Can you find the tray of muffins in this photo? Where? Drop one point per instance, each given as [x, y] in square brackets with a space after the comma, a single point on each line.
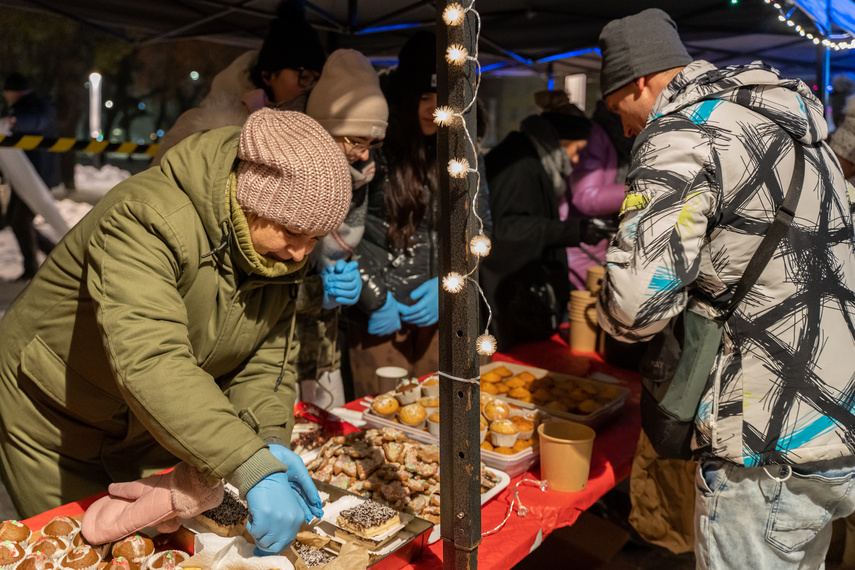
[582, 400]
[59, 545]
[508, 431]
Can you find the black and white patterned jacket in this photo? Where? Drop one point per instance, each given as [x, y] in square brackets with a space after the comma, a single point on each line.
[707, 174]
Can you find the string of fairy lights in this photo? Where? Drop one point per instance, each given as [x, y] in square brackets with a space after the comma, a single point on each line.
[453, 282]
[815, 36]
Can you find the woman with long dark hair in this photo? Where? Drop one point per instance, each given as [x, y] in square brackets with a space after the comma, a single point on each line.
[398, 254]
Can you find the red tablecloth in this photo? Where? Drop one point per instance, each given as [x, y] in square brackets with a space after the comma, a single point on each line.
[611, 460]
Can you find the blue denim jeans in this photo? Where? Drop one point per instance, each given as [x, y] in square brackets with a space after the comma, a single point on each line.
[774, 518]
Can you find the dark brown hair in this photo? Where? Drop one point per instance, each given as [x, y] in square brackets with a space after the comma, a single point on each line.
[411, 160]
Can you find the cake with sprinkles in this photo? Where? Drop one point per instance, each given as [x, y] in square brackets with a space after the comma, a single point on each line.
[312, 556]
[368, 519]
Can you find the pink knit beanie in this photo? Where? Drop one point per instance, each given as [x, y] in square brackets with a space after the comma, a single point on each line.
[291, 171]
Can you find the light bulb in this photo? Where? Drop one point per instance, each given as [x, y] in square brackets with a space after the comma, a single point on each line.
[458, 168]
[453, 14]
[485, 344]
[815, 41]
[453, 282]
[442, 116]
[480, 245]
[456, 54]
[781, 17]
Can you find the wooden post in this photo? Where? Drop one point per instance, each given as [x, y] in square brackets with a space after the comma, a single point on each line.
[460, 451]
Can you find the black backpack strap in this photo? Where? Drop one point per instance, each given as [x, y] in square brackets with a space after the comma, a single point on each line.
[783, 218]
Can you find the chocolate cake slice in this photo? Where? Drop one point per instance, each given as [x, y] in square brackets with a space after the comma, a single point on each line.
[227, 519]
[368, 519]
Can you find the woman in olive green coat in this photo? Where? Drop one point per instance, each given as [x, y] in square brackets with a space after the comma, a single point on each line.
[160, 328]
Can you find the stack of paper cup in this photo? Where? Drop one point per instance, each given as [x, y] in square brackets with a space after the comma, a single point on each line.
[596, 274]
[583, 321]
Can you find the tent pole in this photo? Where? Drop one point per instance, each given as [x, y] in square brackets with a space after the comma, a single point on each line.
[459, 407]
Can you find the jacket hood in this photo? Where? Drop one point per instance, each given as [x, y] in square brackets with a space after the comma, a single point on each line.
[788, 103]
[200, 166]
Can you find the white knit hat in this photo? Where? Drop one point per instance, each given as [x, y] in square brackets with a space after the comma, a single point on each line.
[842, 140]
[347, 101]
[291, 171]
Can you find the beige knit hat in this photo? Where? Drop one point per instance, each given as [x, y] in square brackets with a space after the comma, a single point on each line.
[347, 100]
[291, 171]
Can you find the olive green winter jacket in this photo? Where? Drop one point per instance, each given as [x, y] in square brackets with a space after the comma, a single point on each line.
[151, 306]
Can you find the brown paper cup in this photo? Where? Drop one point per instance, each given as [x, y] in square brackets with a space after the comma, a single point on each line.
[594, 280]
[565, 454]
[389, 376]
[583, 327]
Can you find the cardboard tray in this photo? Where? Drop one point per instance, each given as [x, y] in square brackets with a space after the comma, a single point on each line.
[408, 552]
[593, 420]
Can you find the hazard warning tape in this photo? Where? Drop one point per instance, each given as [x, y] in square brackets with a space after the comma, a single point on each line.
[31, 142]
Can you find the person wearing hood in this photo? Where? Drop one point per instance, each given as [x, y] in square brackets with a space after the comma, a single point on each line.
[161, 329]
[348, 103]
[715, 153]
[525, 277]
[279, 75]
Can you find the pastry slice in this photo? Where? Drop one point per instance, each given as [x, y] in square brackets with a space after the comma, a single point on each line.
[368, 519]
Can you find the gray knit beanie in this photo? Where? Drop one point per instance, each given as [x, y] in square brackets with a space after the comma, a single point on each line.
[347, 101]
[291, 171]
[634, 46]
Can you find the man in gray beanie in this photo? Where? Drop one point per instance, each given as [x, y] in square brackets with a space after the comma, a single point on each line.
[160, 329]
[716, 152]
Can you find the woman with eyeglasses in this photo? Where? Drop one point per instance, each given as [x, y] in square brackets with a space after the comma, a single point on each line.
[349, 104]
[280, 76]
[398, 255]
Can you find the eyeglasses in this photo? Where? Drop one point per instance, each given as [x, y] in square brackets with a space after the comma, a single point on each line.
[360, 146]
[307, 78]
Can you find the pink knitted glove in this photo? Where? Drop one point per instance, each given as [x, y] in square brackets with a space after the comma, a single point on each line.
[154, 500]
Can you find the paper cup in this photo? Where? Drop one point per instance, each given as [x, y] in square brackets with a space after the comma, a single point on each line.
[565, 454]
[389, 376]
[594, 279]
[583, 321]
[430, 387]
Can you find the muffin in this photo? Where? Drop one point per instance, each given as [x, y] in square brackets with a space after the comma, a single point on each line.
[62, 527]
[429, 402]
[502, 388]
[483, 427]
[408, 393]
[80, 558]
[525, 426]
[121, 563]
[168, 560]
[486, 445]
[515, 382]
[413, 415]
[433, 423]
[135, 548]
[490, 378]
[52, 546]
[37, 560]
[489, 388]
[385, 405]
[496, 410]
[504, 433]
[504, 450]
[522, 444]
[15, 531]
[502, 371]
[10, 554]
[520, 394]
[430, 387]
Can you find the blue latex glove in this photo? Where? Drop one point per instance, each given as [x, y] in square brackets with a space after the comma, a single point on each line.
[342, 284]
[299, 478]
[385, 320]
[425, 311]
[276, 512]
